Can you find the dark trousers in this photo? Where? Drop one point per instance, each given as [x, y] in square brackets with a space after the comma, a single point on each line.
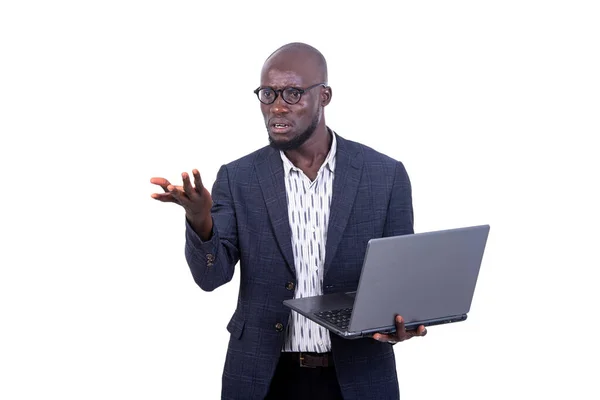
[291, 381]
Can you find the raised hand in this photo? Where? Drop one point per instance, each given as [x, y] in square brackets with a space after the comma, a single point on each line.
[195, 200]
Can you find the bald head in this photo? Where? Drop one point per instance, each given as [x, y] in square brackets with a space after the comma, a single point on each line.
[300, 58]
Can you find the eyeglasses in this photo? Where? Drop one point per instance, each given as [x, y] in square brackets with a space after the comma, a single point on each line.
[290, 95]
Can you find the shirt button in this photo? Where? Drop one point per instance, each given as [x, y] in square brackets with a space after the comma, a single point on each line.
[279, 327]
[289, 286]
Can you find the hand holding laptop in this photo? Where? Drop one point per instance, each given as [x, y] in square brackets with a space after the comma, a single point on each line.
[401, 333]
[429, 278]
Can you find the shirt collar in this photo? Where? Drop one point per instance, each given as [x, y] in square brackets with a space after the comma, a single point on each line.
[328, 163]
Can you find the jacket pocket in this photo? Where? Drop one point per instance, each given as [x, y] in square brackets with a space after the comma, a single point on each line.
[236, 325]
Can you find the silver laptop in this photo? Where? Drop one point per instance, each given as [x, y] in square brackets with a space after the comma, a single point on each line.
[428, 278]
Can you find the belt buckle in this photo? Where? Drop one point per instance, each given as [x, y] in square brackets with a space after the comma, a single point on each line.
[303, 364]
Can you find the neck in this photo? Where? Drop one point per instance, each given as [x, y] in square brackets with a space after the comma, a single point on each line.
[313, 152]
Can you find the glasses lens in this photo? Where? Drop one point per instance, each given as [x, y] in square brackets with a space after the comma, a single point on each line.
[266, 95]
[292, 95]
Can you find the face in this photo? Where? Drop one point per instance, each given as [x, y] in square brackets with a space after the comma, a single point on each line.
[291, 125]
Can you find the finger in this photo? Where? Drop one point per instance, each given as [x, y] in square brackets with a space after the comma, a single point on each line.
[400, 328]
[164, 197]
[198, 181]
[178, 194]
[420, 331]
[380, 337]
[162, 182]
[187, 185]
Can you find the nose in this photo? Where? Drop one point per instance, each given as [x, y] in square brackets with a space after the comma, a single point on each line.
[279, 106]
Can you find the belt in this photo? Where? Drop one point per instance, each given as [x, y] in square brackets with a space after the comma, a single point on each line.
[309, 360]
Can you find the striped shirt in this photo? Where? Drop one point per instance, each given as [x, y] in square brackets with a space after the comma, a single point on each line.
[308, 211]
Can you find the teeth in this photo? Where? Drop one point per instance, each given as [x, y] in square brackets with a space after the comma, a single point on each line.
[280, 125]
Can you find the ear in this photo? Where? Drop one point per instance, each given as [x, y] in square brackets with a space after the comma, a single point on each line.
[326, 94]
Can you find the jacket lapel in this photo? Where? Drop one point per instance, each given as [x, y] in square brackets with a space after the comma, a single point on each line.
[271, 179]
[348, 168]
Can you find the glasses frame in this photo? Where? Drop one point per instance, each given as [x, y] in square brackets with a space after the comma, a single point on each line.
[280, 91]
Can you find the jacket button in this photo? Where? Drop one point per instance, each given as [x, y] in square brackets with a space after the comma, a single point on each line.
[279, 327]
[289, 286]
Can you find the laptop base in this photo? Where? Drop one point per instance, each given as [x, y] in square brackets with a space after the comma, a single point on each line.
[310, 308]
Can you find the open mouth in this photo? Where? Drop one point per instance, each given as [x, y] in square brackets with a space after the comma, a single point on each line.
[280, 127]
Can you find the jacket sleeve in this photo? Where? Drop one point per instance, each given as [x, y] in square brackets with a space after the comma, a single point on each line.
[399, 218]
[212, 262]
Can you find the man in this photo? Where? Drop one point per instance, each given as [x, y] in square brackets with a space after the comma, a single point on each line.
[297, 215]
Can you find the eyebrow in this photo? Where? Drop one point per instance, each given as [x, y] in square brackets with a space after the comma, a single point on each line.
[281, 87]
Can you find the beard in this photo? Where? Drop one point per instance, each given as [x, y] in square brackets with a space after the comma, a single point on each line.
[297, 140]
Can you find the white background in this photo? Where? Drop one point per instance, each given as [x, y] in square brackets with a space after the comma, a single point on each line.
[492, 106]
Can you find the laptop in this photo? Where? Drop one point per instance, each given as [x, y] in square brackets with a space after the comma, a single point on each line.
[429, 278]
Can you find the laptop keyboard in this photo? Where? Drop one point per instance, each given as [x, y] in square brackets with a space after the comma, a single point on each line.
[339, 318]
